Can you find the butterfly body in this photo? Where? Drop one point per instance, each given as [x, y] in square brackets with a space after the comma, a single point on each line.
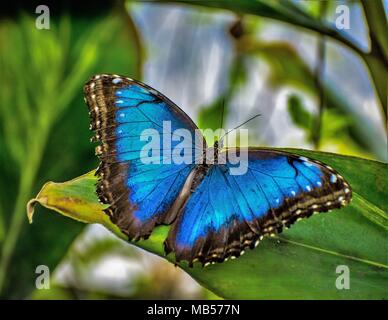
[214, 214]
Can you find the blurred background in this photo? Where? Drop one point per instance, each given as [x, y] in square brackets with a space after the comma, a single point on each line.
[315, 70]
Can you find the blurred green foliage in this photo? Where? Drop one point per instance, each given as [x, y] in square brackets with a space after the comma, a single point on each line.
[292, 12]
[44, 123]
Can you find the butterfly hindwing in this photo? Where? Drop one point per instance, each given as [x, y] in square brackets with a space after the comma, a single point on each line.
[140, 194]
[228, 213]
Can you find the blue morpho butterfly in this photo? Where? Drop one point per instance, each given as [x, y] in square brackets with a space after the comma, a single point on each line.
[214, 214]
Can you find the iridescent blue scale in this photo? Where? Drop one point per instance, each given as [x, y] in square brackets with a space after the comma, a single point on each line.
[214, 214]
[267, 184]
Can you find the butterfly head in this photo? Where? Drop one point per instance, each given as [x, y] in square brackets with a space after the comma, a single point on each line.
[210, 154]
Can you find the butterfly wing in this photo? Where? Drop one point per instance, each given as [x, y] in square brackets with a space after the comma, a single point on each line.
[140, 193]
[228, 213]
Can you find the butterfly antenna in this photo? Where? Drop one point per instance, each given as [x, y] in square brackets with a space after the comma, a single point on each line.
[240, 125]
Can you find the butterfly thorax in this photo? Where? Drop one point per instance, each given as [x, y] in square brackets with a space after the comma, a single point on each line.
[210, 155]
[209, 158]
[215, 151]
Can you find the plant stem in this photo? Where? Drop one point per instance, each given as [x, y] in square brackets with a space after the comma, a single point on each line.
[377, 59]
[2, 230]
[18, 216]
[318, 78]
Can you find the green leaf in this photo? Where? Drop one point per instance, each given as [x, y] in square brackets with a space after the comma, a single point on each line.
[334, 124]
[299, 115]
[47, 102]
[210, 116]
[301, 262]
[75, 199]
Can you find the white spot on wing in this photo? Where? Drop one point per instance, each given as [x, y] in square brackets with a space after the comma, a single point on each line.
[308, 164]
